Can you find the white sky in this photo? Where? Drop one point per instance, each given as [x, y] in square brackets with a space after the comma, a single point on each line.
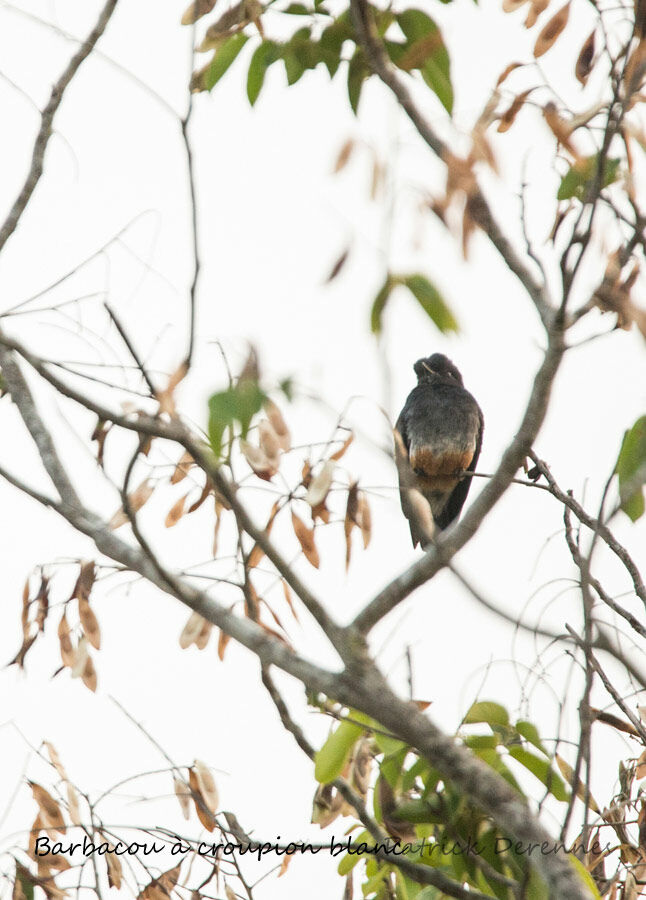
[272, 221]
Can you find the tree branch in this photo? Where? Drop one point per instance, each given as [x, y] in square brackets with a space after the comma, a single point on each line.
[46, 122]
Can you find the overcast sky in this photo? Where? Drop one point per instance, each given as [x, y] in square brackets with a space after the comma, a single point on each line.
[273, 219]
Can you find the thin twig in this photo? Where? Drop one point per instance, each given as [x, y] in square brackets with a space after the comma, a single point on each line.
[46, 122]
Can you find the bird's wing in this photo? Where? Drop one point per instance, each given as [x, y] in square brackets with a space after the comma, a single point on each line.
[414, 505]
[459, 494]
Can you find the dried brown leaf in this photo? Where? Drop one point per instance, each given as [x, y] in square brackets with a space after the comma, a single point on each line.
[288, 598]
[161, 888]
[585, 60]
[607, 718]
[50, 812]
[176, 512]
[196, 10]
[508, 118]
[320, 484]
[365, 519]
[99, 435]
[89, 624]
[507, 71]
[263, 466]
[80, 658]
[278, 424]
[203, 813]
[268, 440]
[305, 537]
[552, 31]
[535, 9]
[183, 794]
[55, 759]
[191, 630]
[320, 511]
[337, 266]
[184, 463]
[509, 6]
[326, 806]
[115, 872]
[136, 500]
[42, 599]
[579, 788]
[206, 490]
[68, 653]
[635, 69]
[344, 155]
[223, 640]
[88, 676]
[231, 22]
[73, 804]
[257, 552]
[336, 456]
[24, 618]
[377, 179]
[203, 637]
[560, 128]
[166, 397]
[283, 866]
[84, 582]
[206, 783]
[19, 658]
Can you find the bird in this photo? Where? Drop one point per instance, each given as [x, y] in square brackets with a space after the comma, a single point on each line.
[438, 437]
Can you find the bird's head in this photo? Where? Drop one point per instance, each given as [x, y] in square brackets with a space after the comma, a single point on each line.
[436, 365]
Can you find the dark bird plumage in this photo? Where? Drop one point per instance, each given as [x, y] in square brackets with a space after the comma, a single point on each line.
[438, 437]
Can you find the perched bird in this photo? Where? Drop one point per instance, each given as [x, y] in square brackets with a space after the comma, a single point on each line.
[438, 437]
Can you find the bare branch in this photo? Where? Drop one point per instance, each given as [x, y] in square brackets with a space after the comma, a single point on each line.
[22, 397]
[47, 118]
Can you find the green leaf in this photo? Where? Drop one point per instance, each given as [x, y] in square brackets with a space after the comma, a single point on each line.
[585, 876]
[487, 711]
[482, 741]
[419, 767]
[26, 881]
[631, 470]
[431, 301]
[297, 9]
[388, 744]
[379, 304]
[542, 769]
[349, 861]
[334, 753]
[580, 177]
[357, 74]
[391, 766]
[264, 55]
[420, 811]
[224, 57]
[530, 732]
[222, 408]
[426, 51]
[294, 67]
[429, 892]
[416, 24]
[536, 888]
[238, 403]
